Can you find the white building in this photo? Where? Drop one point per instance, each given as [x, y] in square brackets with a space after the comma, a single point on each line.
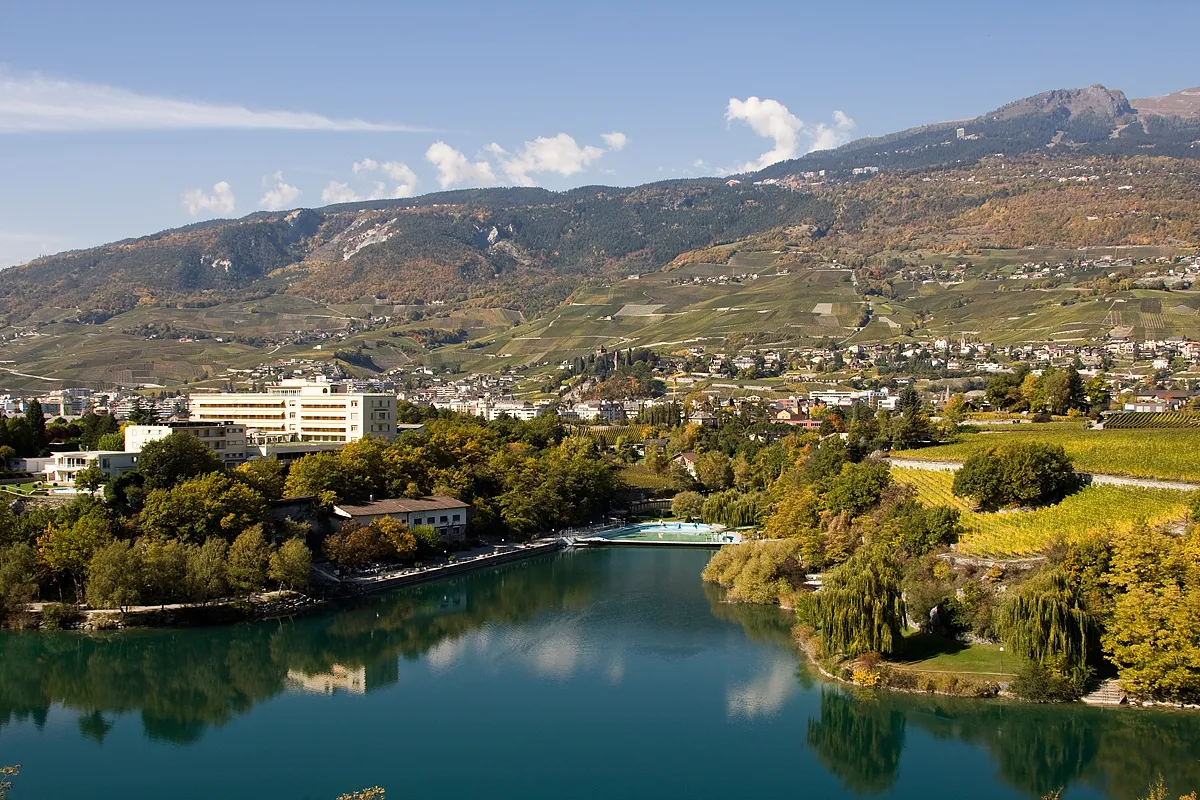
[226, 439]
[446, 515]
[65, 466]
[303, 411]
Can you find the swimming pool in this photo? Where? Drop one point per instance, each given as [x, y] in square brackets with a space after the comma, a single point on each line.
[673, 532]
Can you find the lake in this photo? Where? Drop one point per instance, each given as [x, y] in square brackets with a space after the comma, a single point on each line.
[600, 673]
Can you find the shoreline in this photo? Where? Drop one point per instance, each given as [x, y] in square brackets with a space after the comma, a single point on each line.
[285, 603]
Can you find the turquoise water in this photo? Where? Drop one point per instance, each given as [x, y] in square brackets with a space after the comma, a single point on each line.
[598, 673]
[670, 532]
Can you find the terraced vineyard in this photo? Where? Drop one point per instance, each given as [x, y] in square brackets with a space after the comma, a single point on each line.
[1169, 454]
[1015, 534]
[1142, 420]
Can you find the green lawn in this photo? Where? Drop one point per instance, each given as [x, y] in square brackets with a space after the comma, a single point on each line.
[927, 653]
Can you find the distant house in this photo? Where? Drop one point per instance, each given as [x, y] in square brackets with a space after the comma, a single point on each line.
[446, 515]
[65, 466]
[687, 461]
[705, 418]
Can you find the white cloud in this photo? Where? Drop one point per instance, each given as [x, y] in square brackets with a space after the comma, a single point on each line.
[615, 141]
[220, 202]
[278, 194]
[38, 103]
[406, 182]
[338, 192]
[771, 119]
[453, 167]
[559, 154]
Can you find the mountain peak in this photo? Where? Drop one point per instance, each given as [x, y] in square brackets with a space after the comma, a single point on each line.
[1096, 99]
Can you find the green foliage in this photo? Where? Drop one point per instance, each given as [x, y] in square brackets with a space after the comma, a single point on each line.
[1017, 474]
[17, 584]
[1038, 683]
[111, 441]
[177, 457]
[714, 470]
[291, 565]
[860, 608]
[263, 475]
[857, 487]
[206, 574]
[249, 557]
[757, 572]
[734, 509]
[58, 616]
[687, 505]
[66, 548]
[1043, 620]
[197, 508]
[115, 576]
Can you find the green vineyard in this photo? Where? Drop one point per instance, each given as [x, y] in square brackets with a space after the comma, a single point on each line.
[1170, 454]
[1016, 534]
[1134, 420]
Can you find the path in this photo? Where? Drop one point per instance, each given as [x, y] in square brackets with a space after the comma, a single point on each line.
[1097, 479]
[27, 375]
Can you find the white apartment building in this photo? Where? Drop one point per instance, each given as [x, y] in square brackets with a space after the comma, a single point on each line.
[64, 467]
[305, 411]
[226, 439]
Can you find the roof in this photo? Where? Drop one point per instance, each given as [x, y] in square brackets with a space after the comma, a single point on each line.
[402, 505]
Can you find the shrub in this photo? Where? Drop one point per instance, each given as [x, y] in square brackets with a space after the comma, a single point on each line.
[57, 616]
[1019, 474]
[1041, 684]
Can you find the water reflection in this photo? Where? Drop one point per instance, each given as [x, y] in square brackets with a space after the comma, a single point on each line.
[1037, 750]
[181, 682]
[626, 629]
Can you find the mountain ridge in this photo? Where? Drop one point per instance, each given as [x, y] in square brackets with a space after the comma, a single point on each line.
[529, 248]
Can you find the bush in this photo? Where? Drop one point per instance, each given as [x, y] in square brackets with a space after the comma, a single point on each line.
[57, 616]
[1040, 684]
[1021, 474]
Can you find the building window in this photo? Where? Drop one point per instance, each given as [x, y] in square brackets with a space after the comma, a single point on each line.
[456, 517]
[444, 520]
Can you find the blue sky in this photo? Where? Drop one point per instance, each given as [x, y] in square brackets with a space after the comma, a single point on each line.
[119, 119]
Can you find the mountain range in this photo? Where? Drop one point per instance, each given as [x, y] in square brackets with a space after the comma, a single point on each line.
[530, 249]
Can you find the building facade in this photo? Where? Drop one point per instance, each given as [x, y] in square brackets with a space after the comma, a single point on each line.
[446, 515]
[226, 439]
[63, 468]
[302, 411]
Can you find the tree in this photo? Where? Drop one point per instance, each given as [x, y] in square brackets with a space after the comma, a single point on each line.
[956, 409]
[90, 478]
[206, 575]
[164, 566]
[195, 509]
[1099, 395]
[174, 458]
[857, 487]
[17, 583]
[291, 565]
[68, 549]
[687, 505]
[142, 414]
[314, 474]
[249, 556]
[1026, 473]
[115, 576]
[396, 534]
[263, 475]
[714, 470]
[36, 420]
[654, 459]
[111, 441]
[1154, 634]
[860, 608]
[1044, 621]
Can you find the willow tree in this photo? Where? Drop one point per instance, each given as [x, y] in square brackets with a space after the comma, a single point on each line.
[860, 607]
[1045, 621]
